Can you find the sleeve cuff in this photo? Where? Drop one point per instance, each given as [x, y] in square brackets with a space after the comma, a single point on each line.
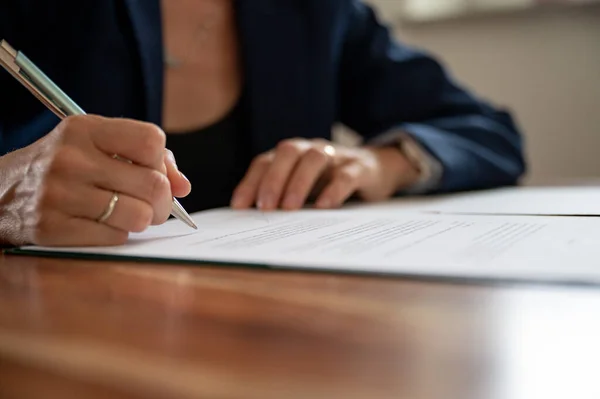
[430, 168]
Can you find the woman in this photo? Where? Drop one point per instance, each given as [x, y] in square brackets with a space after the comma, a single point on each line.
[247, 92]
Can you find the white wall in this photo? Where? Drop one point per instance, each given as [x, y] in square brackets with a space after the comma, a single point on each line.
[543, 64]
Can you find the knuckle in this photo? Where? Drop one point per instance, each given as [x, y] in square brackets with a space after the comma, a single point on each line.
[73, 124]
[72, 128]
[156, 185]
[262, 160]
[158, 135]
[289, 147]
[317, 155]
[64, 161]
[153, 142]
[142, 218]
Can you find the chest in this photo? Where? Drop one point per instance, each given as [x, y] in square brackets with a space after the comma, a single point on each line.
[202, 78]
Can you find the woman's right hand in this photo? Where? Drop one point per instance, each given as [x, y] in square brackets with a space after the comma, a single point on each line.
[53, 192]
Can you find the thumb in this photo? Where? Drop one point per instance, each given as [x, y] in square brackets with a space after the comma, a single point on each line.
[180, 185]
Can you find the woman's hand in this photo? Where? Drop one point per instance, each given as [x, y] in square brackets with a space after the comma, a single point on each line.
[297, 169]
[54, 191]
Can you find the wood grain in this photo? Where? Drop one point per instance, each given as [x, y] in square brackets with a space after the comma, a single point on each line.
[86, 329]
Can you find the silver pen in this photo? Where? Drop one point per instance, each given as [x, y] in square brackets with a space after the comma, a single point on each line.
[30, 76]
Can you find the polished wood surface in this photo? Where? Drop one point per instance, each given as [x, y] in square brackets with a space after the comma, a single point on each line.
[81, 329]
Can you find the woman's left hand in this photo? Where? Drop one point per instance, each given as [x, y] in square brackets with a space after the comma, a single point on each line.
[298, 169]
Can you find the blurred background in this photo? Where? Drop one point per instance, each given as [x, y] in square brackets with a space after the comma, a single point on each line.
[540, 58]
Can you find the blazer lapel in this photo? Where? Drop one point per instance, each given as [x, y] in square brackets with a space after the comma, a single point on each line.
[146, 21]
[273, 46]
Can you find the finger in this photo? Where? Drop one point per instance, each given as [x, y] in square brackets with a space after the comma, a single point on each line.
[345, 181]
[136, 181]
[58, 230]
[140, 142]
[180, 185]
[305, 176]
[244, 196]
[271, 187]
[130, 214]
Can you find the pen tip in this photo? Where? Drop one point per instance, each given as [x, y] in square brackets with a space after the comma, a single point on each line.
[190, 222]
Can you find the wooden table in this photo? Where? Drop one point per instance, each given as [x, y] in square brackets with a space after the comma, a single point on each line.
[80, 329]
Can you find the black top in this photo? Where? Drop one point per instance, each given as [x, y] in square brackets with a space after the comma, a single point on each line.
[214, 159]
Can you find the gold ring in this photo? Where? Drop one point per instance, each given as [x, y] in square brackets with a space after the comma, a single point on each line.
[119, 158]
[109, 209]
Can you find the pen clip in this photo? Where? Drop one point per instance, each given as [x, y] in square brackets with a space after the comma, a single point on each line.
[8, 59]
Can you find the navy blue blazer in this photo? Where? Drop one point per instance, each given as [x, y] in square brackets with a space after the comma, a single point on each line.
[308, 64]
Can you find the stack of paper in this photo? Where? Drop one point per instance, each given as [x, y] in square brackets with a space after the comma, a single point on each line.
[393, 239]
[559, 201]
[551, 201]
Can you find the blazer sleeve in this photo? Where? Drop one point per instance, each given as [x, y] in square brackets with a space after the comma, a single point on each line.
[387, 86]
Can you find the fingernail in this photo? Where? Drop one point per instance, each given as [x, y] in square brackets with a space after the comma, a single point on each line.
[171, 158]
[184, 176]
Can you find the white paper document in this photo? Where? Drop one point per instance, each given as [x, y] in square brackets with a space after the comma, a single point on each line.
[366, 241]
[582, 201]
